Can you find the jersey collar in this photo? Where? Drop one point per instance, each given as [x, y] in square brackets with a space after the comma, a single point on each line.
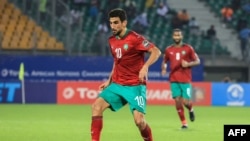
[181, 45]
[126, 33]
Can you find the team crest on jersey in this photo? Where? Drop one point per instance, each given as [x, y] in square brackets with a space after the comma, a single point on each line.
[183, 52]
[125, 46]
[145, 43]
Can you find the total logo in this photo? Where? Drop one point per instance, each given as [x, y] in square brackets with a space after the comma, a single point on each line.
[235, 94]
[4, 72]
[83, 93]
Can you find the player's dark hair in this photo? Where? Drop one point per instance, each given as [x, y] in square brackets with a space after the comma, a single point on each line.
[177, 30]
[118, 12]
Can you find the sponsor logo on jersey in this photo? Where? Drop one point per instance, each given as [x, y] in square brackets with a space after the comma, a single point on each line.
[183, 52]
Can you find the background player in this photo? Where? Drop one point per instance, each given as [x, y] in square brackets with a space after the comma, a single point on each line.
[181, 57]
[127, 82]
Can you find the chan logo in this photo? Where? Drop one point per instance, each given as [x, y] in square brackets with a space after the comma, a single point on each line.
[235, 94]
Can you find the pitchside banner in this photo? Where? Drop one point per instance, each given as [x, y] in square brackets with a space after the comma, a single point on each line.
[231, 94]
[35, 92]
[158, 93]
[54, 68]
[85, 92]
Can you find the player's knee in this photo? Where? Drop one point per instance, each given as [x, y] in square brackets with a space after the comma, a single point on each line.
[178, 99]
[140, 123]
[187, 102]
[139, 120]
[96, 107]
[99, 106]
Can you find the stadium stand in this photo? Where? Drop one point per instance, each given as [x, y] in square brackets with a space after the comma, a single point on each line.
[240, 17]
[239, 14]
[19, 32]
[81, 36]
[160, 33]
[83, 41]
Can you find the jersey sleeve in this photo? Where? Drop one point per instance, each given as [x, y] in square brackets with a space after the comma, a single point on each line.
[193, 54]
[110, 48]
[166, 56]
[141, 43]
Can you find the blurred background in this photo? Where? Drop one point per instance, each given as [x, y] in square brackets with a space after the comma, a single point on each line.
[56, 52]
[218, 30]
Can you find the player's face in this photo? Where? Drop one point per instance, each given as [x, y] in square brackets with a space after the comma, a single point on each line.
[177, 37]
[117, 25]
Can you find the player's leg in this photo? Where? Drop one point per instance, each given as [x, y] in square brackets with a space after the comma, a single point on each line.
[176, 94]
[187, 95]
[188, 104]
[97, 121]
[137, 103]
[181, 112]
[106, 99]
[142, 125]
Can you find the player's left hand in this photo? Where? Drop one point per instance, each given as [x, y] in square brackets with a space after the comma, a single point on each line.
[143, 74]
[184, 64]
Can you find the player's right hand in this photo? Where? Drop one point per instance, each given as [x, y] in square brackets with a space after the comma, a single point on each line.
[184, 64]
[163, 72]
[104, 85]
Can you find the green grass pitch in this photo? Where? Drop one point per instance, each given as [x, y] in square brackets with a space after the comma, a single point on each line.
[48, 122]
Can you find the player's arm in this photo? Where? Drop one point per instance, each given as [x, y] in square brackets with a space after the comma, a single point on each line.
[164, 66]
[111, 73]
[153, 57]
[195, 62]
[107, 82]
[194, 57]
[186, 64]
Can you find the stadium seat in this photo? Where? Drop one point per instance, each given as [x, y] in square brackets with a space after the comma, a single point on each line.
[38, 30]
[5, 42]
[20, 28]
[16, 14]
[12, 23]
[8, 11]
[26, 34]
[16, 38]
[5, 19]
[23, 19]
[11, 28]
[30, 26]
[14, 44]
[3, 2]
[41, 45]
[26, 44]
[45, 34]
[20, 31]
[51, 43]
[2, 28]
[59, 46]
[8, 33]
[30, 22]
